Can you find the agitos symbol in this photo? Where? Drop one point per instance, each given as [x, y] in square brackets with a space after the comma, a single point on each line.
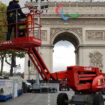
[61, 13]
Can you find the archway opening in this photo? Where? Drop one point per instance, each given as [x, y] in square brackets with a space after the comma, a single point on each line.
[65, 45]
[63, 55]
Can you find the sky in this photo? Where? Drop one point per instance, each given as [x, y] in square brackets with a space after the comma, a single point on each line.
[63, 55]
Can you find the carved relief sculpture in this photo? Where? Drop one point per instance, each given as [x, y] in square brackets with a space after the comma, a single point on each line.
[97, 35]
[54, 31]
[96, 59]
[43, 35]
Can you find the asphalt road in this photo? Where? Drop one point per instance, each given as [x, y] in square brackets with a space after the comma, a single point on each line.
[33, 99]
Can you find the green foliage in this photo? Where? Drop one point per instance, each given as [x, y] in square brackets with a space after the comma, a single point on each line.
[2, 53]
[18, 53]
[2, 21]
[2, 6]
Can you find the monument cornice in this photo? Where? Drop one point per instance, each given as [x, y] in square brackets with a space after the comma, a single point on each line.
[79, 4]
[71, 4]
[80, 16]
[91, 45]
[84, 9]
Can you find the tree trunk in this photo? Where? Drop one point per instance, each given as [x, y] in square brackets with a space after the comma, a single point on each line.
[11, 70]
[12, 64]
[2, 64]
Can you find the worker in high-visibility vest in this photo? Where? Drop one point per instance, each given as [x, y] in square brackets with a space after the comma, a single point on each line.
[13, 13]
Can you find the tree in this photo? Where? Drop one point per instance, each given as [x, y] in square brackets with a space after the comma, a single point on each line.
[2, 34]
[10, 53]
[13, 54]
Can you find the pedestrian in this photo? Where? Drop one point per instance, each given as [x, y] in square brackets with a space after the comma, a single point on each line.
[14, 13]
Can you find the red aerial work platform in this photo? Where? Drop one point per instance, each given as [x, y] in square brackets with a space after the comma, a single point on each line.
[24, 43]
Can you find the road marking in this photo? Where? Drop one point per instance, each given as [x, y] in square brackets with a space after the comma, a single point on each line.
[48, 99]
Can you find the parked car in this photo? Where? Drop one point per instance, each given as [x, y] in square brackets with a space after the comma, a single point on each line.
[26, 86]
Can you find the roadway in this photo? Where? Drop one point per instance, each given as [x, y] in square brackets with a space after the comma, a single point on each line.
[33, 99]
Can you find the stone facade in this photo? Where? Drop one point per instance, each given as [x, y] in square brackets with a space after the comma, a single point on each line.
[96, 59]
[86, 33]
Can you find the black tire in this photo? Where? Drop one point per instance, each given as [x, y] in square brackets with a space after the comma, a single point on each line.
[98, 99]
[62, 99]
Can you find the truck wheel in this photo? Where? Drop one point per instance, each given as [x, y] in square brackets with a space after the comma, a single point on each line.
[62, 99]
[98, 99]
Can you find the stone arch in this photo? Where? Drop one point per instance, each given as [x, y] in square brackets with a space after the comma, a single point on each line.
[71, 37]
[66, 35]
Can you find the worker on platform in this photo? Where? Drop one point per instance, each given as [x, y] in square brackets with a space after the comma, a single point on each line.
[14, 13]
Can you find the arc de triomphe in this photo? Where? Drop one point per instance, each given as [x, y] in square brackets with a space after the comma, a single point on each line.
[86, 33]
